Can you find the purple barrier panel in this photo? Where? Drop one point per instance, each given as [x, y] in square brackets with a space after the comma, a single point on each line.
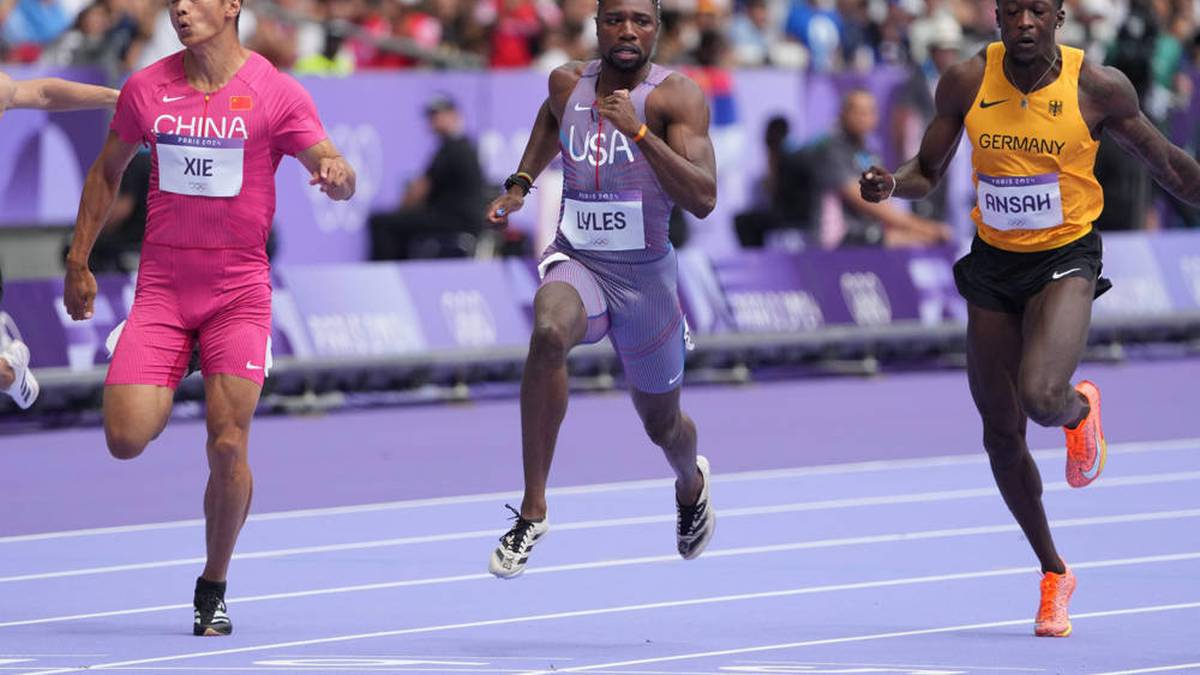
[931, 271]
[465, 303]
[1138, 285]
[704, 302]
[355, 309]
[769, 291]
[775, 291]
[45, 156]
[35, 314]
[1178, 255]
[862, 286]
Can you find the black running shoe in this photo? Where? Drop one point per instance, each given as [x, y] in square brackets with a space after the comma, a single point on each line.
[209, 602]
[509, 558]
[694, 524]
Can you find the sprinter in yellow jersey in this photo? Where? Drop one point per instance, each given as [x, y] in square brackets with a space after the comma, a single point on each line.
[1033, 111]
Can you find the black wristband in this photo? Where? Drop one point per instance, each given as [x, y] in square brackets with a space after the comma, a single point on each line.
[520, 181]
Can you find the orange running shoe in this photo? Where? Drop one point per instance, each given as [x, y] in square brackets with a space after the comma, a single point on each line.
[1052, 619]
[1086, 448]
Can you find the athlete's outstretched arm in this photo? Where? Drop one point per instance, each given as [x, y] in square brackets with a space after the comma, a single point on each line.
[99, 191]
[329, 170]
[684, 162]
[1173, 168]
[917, 177]
[53, 94]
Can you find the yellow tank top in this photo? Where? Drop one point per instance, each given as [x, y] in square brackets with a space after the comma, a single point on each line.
[1033, 165]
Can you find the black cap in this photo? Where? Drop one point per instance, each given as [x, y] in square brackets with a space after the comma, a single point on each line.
[439, 103]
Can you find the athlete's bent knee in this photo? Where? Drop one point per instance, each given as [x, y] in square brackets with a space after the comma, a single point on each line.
[549, 343]
[1043, 401]
[123, 444]
[227, 454]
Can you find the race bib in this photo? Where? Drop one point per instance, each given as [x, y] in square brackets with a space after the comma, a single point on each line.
[1020, 202]
[603, 221]
[202, 167]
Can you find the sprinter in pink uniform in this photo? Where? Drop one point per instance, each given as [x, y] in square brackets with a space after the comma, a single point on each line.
[218, 119]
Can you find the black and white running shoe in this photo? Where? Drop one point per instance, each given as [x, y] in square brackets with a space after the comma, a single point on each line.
[24, 389]
[209, 603]
[694, 524]
[509, 558]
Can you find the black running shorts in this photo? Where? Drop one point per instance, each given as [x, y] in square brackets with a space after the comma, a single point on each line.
[1003, 281]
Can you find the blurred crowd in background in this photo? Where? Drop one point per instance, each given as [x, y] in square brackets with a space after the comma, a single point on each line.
[343, 36]
[1155, 42]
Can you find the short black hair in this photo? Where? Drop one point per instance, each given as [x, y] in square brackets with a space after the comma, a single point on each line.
[657, 8]
[1057, 3]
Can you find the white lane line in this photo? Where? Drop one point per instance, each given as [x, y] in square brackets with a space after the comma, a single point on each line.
[1159, 669]
[864, 638]
[624, 562]
[293, 670]
[888, 665]
[622, 486]
[707, 600]
[774, 509]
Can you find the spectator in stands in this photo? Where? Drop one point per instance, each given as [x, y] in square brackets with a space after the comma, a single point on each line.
[842, 157]
[91, 41]
[440, 213]
[516, 28]
[818, 26]
[1128, 190]
[752, 34]
[913, 107]
[769, 204]
[32, 23]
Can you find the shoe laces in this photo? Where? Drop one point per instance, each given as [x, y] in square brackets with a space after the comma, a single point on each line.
[517, 537]
[688, 517]
[209, 601]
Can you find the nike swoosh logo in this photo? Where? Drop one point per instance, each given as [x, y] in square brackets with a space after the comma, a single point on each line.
[1058, 275]
[675, 379]
[580, 108]
[1090, 474]
[172, 99]
[987, 104]
[251, 366]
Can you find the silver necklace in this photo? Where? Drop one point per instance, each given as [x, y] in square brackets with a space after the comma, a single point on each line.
[1025, 94]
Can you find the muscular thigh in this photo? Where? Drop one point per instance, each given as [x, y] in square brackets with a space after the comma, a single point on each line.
[648, 328]
[571, 298]
[235, 340]
[154, 346]
[1055, 329]
[230, 402]
[994, 344]
[137, 412]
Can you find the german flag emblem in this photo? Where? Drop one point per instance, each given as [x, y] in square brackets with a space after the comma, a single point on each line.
[240, 103]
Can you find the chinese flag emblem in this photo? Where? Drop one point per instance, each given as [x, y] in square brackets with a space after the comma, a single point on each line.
[240, 103]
